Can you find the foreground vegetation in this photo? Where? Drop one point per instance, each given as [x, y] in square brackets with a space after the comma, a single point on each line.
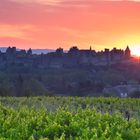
[60, 118]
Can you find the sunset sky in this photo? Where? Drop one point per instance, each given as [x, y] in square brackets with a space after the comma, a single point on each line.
[64, 23]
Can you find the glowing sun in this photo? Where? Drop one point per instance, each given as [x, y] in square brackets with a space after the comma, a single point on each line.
[135, 50]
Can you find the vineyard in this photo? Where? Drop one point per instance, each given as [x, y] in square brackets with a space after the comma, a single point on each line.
[69, 118]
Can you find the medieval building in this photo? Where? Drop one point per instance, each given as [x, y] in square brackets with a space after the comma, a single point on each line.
[73, 58]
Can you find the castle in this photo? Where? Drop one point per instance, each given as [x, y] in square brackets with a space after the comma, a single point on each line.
[60, 59]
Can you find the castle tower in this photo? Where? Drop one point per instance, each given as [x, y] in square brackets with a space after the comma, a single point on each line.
[127, 52]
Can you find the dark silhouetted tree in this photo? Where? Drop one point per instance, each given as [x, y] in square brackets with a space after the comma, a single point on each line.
[29, 52]
[19, 86]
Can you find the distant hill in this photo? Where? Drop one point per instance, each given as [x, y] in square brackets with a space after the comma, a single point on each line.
[35, 51]
[3, 49]
[39, 51]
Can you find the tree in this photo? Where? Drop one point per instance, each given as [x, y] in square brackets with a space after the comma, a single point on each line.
[29, 52]
[19, 85]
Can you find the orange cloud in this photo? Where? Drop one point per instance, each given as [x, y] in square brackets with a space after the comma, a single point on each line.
[7, 30]
[55, 23]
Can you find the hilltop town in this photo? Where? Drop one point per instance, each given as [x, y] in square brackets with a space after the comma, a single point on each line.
[59, 59]
[76, 72]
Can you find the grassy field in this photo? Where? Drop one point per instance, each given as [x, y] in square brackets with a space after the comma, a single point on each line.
[69, 118]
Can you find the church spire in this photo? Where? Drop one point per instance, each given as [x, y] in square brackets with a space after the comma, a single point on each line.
[127, 52]
[90, 48]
